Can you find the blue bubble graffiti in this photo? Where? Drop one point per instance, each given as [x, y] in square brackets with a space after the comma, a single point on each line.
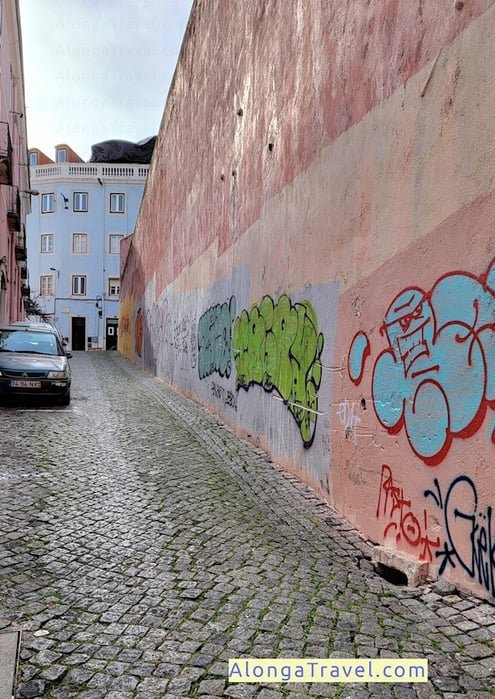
[359, 352]
[436, 378]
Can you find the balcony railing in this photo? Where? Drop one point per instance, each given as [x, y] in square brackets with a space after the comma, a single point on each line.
[14, 209]
[20, 247]
[85, 170]
[5, 154]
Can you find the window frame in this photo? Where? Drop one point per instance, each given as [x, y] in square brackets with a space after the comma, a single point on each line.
[47, 237]
[79, 280]
[112, 208]
[44, 198]
[59, 153]
[81, 210]
[116, 283]
[33, 159]
[79, 235]
[50, 284]
[112, 237]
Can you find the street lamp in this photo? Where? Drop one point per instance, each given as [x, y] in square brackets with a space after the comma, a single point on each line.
[99, 308]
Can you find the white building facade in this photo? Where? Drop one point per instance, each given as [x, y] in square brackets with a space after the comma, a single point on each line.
[81, 213]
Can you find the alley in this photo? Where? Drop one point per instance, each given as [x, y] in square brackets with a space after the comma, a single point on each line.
[148, 545]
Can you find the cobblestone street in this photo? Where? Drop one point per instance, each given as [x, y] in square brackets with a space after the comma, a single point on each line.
[142, 545]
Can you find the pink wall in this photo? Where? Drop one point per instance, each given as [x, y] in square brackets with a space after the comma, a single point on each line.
[299, 264]
[14, 179]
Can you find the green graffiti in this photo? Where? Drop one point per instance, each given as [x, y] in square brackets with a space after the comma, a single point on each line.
[277, 346]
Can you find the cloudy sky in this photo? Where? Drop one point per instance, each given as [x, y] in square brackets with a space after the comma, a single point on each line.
[98, 69]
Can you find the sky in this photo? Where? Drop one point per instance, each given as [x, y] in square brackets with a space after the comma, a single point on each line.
[97, 70]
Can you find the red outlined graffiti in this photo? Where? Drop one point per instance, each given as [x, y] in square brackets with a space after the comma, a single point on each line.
[436, 378]
[358, 354]
[401, 519]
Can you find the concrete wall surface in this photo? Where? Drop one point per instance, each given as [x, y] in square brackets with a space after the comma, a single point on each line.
[314, 257]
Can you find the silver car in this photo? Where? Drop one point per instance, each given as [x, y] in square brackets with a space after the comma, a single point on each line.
[33, 363]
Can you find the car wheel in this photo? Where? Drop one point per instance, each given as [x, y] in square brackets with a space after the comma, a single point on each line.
[65, 400]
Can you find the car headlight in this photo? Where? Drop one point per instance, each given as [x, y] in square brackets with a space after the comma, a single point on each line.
[57, 375]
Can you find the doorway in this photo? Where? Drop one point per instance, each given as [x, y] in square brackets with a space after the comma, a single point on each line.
[111, 334]
[78, 333]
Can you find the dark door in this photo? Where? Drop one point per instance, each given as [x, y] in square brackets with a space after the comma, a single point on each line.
[111, 339]
[78, 333]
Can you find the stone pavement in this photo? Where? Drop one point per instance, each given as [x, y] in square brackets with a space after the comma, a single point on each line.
[142, 545]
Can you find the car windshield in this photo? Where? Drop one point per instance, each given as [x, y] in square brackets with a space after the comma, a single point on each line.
[24, 341]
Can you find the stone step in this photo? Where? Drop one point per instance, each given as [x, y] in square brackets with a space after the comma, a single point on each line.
[9, 657]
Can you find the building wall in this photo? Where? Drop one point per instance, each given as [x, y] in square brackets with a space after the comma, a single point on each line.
[314, 255]
[14, 175]
[96, 308]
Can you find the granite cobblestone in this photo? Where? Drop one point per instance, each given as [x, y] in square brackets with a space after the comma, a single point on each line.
[150, 544]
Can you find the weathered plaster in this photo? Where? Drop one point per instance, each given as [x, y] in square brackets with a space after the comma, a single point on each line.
[320, 199]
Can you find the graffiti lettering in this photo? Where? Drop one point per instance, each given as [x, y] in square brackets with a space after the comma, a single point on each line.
[139, 332]
[181, 336]
[401, 519]
[277, 346]
[215, 339]
[436, 378]
[178, 335]
[468, 529]
[192, 344]
[226, 397]
[348, 418]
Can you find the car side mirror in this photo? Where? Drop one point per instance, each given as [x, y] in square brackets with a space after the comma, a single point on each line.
[68, 355]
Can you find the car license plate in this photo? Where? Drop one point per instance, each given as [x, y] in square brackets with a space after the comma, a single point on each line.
[25, 384]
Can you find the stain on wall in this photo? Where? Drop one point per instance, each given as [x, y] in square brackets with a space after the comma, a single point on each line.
[126, 327]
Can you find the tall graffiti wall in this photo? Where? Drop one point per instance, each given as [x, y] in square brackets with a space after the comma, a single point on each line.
[314, 257]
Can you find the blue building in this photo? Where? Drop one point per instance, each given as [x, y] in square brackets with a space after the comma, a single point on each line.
[79, 216]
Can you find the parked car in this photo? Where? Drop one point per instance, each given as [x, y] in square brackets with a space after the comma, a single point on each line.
[35, 326]
[33, 362]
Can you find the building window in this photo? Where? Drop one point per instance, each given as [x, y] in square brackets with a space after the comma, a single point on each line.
[48, 203]
[117, 203]
[46, 285]
[80, 201]
[33, 159]
[114, 286]
[80, 243]
[62, 155]
[46, 243]
[79, 285]
[114, 244]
